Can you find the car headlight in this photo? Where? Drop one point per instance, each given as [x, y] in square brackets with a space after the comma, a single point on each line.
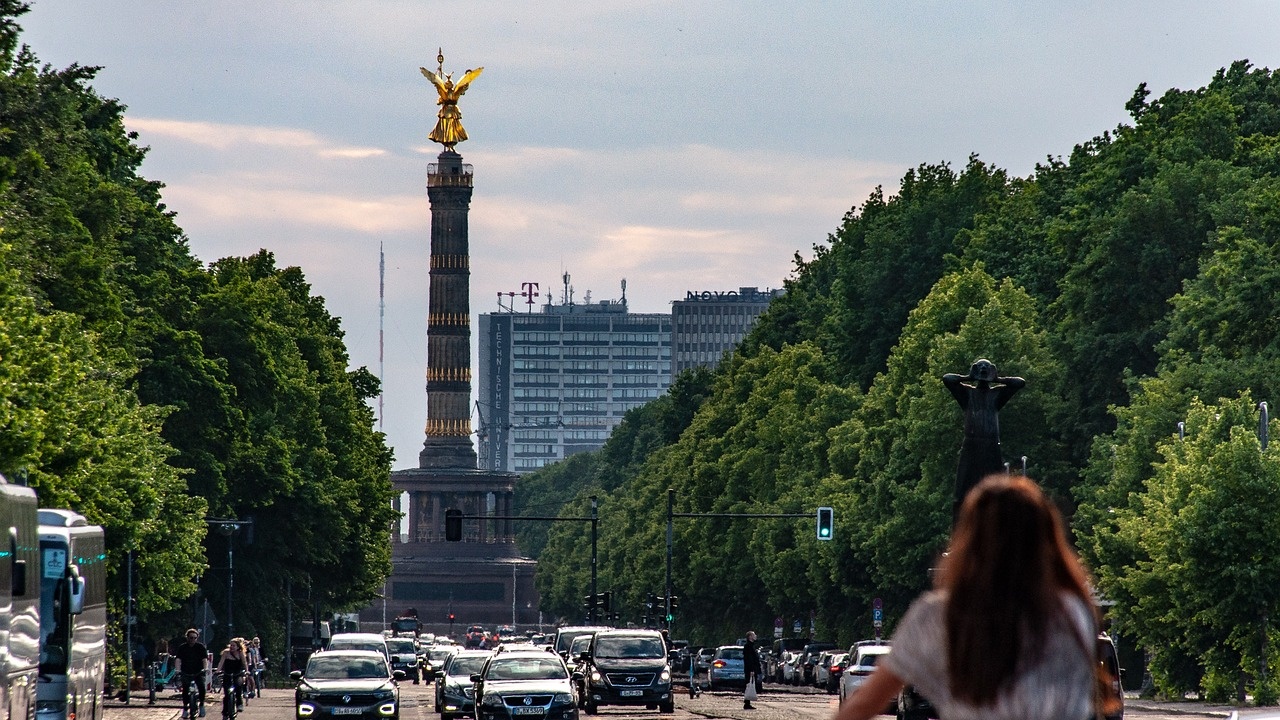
[385, 695]
[665, 676]
[595, 676]
[562, 699]
[491, 700]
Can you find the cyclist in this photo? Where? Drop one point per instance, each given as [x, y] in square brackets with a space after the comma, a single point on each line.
[257, 667]
[232, 666]
[193, 663]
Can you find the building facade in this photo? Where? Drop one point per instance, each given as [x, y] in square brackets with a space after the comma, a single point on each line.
[708, 324]
[556, 382]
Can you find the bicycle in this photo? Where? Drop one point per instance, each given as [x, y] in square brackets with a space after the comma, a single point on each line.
[190, 699]
[233, 696]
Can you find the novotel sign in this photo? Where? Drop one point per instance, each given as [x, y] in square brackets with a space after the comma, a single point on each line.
[739, 295]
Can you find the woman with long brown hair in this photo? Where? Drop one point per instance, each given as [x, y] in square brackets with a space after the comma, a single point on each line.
[1008, 630]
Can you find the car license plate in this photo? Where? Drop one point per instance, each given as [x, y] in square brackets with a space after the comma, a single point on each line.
[631, 693]
[528, 711]
[347, 711]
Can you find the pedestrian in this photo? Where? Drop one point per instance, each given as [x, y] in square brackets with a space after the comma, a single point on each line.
[1008, 630]
[750, 670]
[193, 663]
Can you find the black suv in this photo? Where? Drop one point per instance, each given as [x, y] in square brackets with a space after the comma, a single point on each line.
[626, 667]
[517, 684]
[356, 683]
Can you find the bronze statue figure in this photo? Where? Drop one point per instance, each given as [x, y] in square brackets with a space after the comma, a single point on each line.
[448, 130]
[981, 394]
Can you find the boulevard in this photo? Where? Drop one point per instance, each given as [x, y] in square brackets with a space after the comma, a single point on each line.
[775, 703]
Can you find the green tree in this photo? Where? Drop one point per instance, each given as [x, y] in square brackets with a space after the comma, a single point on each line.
[1208, 528]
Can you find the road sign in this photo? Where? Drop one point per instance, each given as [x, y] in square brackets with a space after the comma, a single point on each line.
[877, 615]
[795, 628]
[878, 604]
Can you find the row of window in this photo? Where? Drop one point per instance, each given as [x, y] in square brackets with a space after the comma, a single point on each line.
[550, 380]
[569, 338]
[593, 365]
[522, 393]
[555, 351]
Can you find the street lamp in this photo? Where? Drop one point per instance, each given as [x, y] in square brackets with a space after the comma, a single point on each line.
[228, 529]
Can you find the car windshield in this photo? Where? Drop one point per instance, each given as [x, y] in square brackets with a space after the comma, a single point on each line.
[869, 659]
[438, 654]
[355, 645]
[328, 667]
[730, 654]
[630, 647]
[526, 668]
[400, 646]
[468, 666]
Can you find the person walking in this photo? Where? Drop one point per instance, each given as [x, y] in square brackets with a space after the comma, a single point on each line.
[750, 670]
[193, 663]
[1009, 629]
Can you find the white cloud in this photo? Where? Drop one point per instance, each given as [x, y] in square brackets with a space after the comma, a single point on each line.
[223, 136]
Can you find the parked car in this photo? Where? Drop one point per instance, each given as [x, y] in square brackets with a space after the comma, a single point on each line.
[781, 648]
[523, 683]
[355, 683]
[864, 657]
[835, 671]
[703, 659]
[792, 667]
[1111, 665]
[822, 668]
[455, 694]
[626, 667]
[810, 658]
[726, 668]
[914, 706]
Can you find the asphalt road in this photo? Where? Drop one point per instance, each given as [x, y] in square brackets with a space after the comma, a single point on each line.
[777, 703]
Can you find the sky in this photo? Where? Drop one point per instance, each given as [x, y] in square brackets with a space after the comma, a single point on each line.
[679, 145]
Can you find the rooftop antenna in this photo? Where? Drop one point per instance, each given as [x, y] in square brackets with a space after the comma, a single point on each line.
[566, 298]
[624, 291]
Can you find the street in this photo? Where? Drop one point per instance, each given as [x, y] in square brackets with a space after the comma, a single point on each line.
[776, 703]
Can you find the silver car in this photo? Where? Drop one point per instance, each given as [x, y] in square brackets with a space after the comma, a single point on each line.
[726, 668]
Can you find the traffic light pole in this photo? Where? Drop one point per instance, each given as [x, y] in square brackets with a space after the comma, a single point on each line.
[672, 514]
[456, 515]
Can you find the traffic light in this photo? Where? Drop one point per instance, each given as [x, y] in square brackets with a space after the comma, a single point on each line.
[450, 617]
[453, 525]
[826, 523]
[606, 600]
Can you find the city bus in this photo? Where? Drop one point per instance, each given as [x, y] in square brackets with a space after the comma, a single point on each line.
[73, 617]
[19, 602]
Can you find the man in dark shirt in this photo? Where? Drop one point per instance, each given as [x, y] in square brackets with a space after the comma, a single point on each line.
[193, 661]
[750, 669]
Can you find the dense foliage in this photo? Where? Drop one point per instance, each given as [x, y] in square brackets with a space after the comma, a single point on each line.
[151, 392]
[1133, 283]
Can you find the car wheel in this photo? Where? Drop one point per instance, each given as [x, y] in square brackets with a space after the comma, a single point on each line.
[667, 707]
[589, 708]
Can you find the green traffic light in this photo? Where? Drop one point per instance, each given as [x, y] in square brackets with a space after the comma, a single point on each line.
[670, 618]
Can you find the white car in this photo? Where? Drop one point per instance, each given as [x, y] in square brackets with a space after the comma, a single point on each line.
[863, 658]
[792, 670]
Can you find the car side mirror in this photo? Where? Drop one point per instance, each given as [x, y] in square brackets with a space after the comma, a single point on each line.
[584, 657]
[577, 675]
[295, 675]
[398, 674]
[475, 678]
[438, 673]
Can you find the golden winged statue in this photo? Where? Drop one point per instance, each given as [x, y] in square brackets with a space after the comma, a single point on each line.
[448, 130]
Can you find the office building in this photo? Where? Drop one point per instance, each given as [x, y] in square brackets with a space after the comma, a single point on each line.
[558, 380]
[706, 325]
